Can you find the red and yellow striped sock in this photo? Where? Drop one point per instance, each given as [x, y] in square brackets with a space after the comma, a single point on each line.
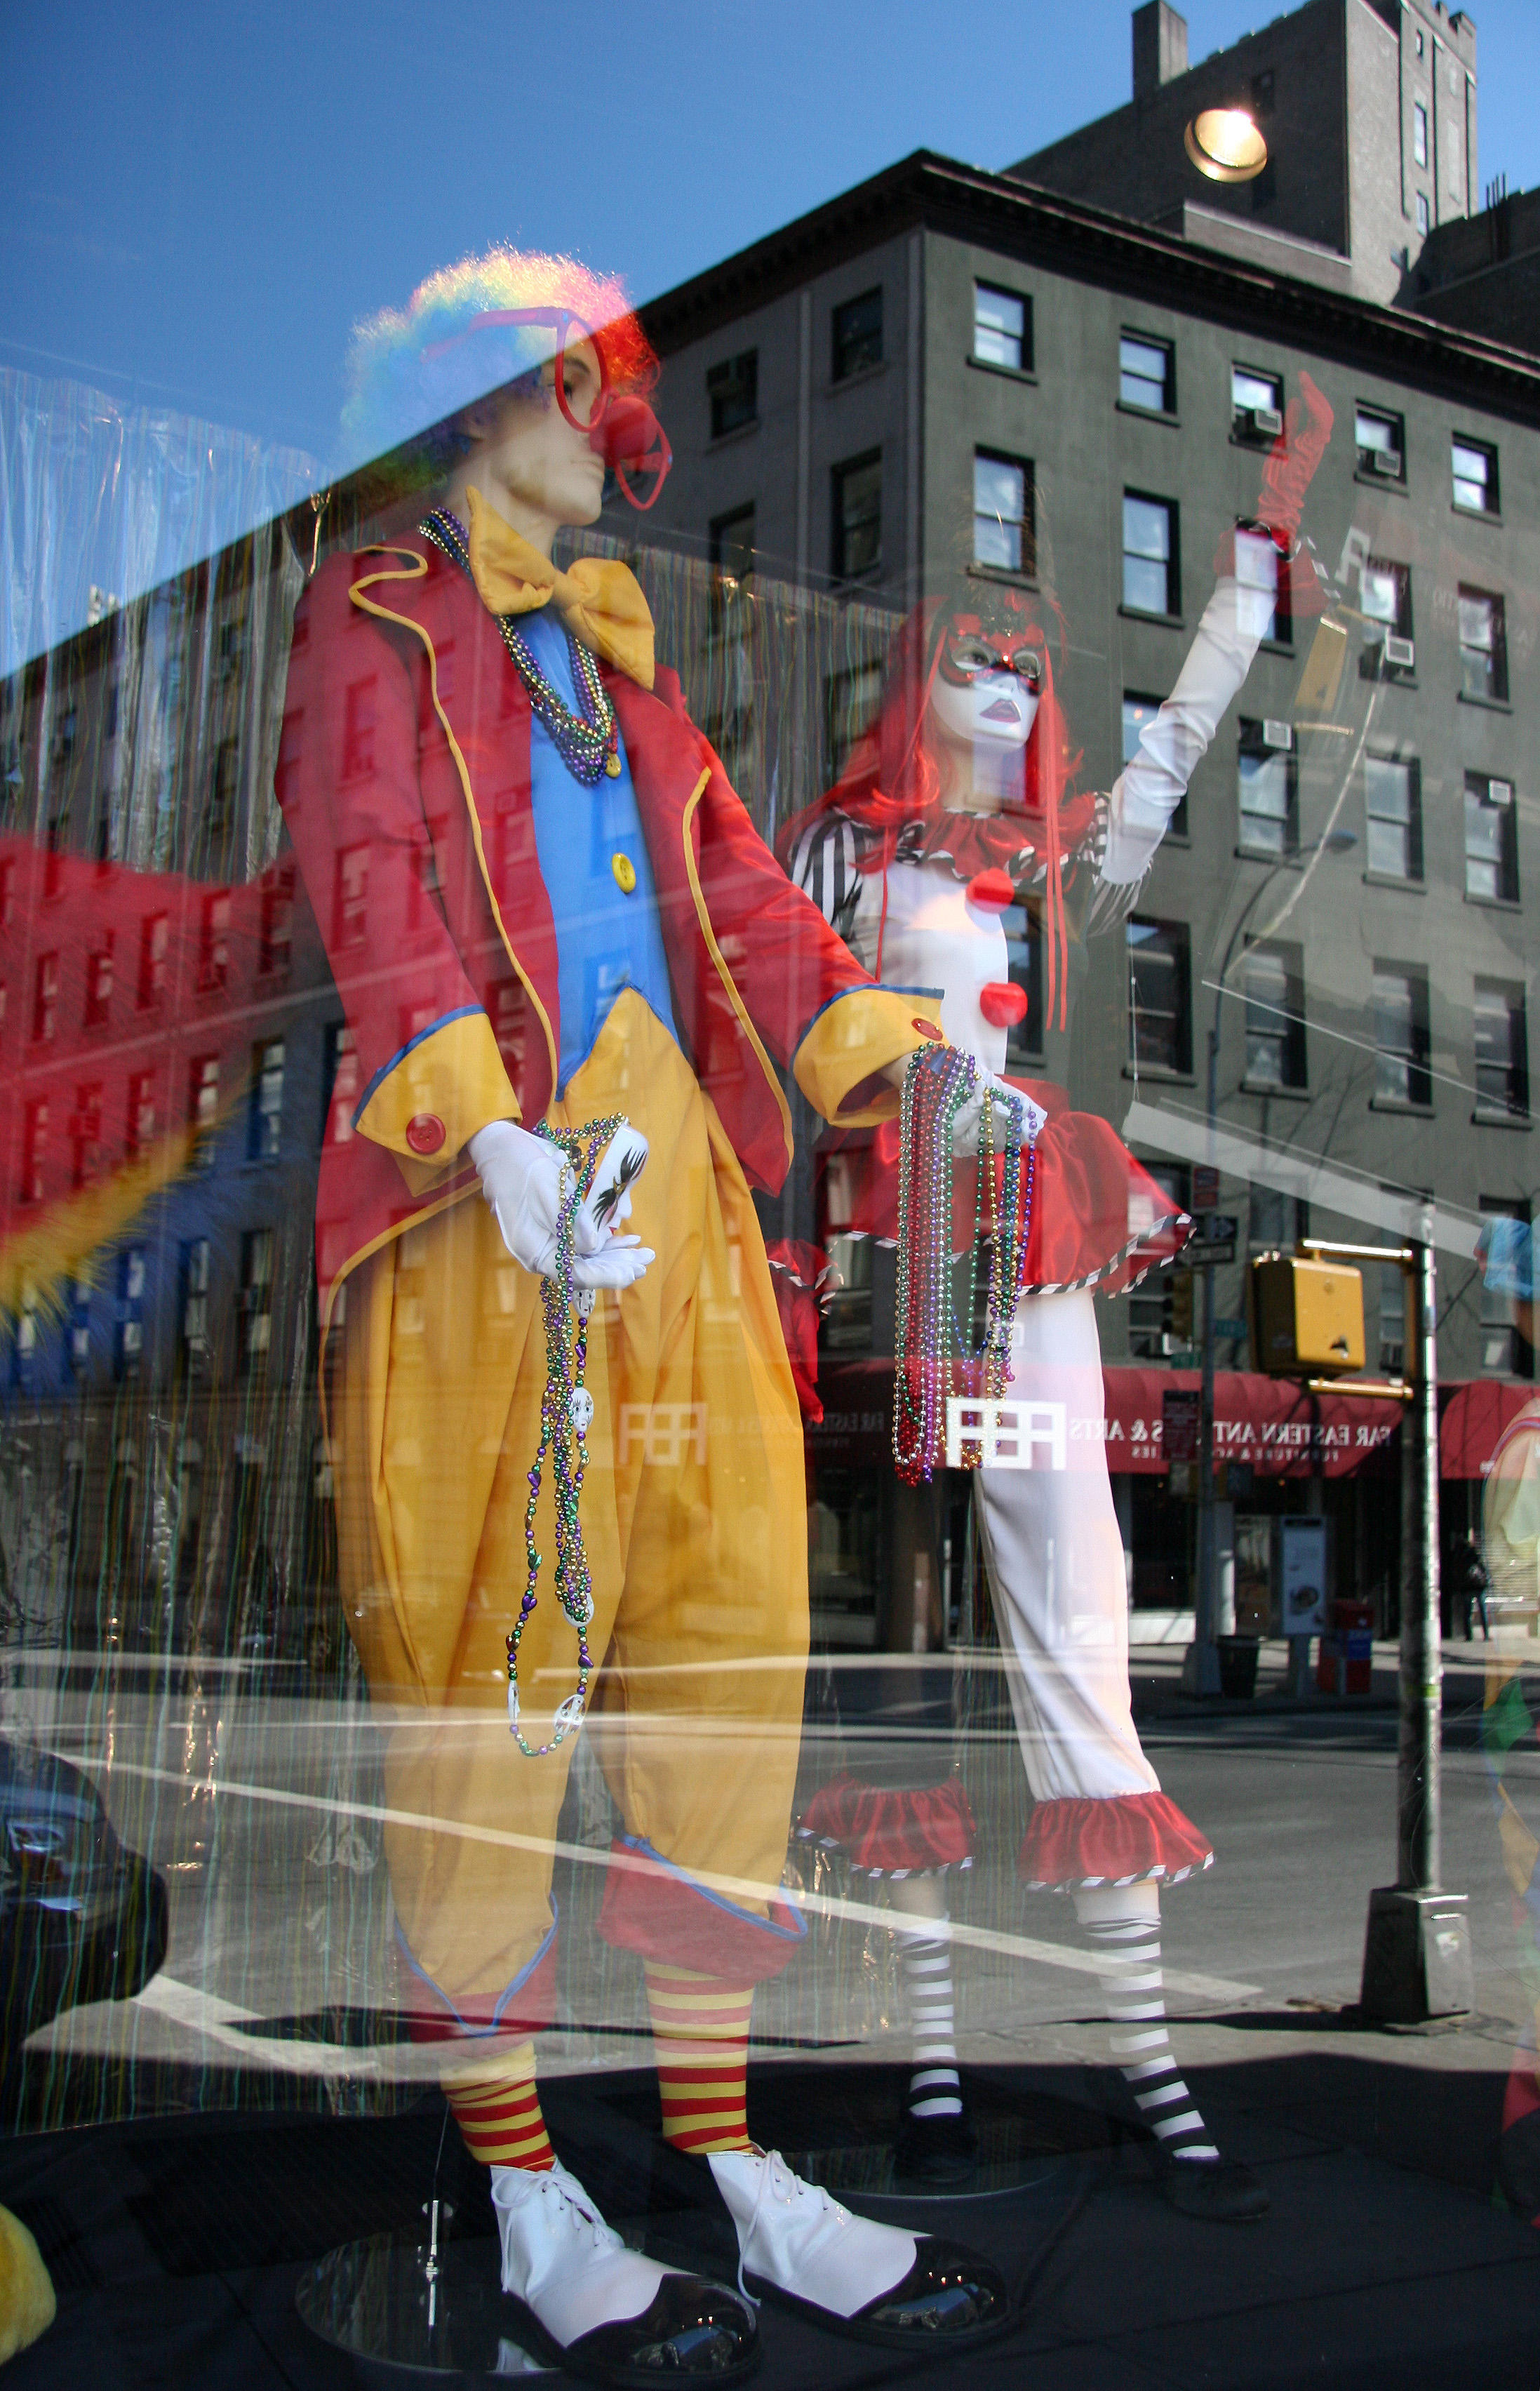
[498, 2111]
[700, 2033]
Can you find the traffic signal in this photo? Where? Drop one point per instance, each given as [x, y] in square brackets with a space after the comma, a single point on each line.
[1179, 1307]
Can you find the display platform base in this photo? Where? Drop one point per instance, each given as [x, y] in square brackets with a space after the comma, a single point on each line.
[396, 2302]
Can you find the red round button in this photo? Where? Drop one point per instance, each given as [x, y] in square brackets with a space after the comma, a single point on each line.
[993, 889]
[1001, 1003]
[925, 1028]
[425, 1132]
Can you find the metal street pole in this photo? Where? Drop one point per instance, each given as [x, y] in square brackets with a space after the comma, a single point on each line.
[1417, 1947]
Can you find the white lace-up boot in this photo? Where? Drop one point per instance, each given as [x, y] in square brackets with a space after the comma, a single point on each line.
[600, 2307]
[877, 2281]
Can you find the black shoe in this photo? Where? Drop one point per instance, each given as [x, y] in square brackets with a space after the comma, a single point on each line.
[935, 2153]
[1216, 2191]
[692, 2328]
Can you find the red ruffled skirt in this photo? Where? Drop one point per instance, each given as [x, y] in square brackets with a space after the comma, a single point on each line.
[1098, 1217]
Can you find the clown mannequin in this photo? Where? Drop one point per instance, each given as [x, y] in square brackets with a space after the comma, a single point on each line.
[531, 872]
[951, 810]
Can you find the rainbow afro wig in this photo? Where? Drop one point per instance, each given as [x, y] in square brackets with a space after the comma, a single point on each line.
[416, 367]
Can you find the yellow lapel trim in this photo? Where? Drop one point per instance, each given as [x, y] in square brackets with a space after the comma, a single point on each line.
[726, 976]
[385, 615]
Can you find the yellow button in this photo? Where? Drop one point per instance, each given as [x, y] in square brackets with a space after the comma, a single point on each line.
[625, 872]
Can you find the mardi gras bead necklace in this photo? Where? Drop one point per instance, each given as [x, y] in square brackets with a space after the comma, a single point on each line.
[934, 1360]
[588, 742]
[566, 1409]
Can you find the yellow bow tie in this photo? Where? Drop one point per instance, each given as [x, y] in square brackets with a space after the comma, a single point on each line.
[599, 600]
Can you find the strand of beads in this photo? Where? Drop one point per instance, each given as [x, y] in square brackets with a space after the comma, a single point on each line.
[588, 744]
[566, 1410]
[933, 1358]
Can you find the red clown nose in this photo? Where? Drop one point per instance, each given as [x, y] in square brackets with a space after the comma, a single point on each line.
[632, 441]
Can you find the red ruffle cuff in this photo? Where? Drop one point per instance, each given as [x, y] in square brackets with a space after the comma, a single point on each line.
[888, 1832]
[1121, 1839]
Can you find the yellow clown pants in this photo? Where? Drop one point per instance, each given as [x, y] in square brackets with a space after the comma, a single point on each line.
[693, 1513]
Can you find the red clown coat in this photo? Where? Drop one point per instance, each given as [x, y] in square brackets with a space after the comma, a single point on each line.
[405, 778]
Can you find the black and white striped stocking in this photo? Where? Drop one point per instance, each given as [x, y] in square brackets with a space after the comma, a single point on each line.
[920, 1904]
[1123, 1926]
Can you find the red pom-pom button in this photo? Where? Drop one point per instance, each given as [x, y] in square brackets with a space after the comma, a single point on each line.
[1003, 1003]
[425, 1132]
[993, 889]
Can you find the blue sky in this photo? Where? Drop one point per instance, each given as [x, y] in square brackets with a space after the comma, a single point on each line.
[201, 201]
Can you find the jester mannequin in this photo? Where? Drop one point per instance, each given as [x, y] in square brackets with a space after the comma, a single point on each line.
[955, 808]
[545, 906]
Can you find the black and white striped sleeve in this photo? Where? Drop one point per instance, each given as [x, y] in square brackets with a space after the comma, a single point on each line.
[823, 865]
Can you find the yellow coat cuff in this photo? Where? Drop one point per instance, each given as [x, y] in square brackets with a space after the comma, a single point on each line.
[436, 1094]
[852, 1040]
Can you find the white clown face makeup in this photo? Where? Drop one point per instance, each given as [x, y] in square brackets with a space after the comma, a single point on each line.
[994, 709]
[984, 697]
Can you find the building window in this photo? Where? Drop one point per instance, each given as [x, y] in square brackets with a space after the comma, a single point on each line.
[265, 1128]
[1151, 583]
[1392, 809]
[358, 728]
[1160, 996]
[1419, 125]
[214, 942]
[850, 707]
[732, 544]
[35, 1149]
[1275, 1018]
[857, 335]
[1003, 512]
[85, 1136]
[226, 783]
[1401, 1036]
[1264, 585]
[1422, 216]
[351, 899]
[98, 982]
[1392, 1320]
[1386, 591]
[1023, 928]
[1475, 477]
[1256, 404]
[194, 1298]
[154, 949]
[1137, 710]
[1151, 1333]
[857, 545]
[1484, 644]
[141, 1114]
[1146, 374]
[203, 1108]
[44, 999]
[1491, 839]
[255, 1303]
[1506, 1351]
[732, 392]
[1275, 1222]
[1267, 787]
[130, 1343]
[1381, 443]
[1002, 327]
[1502, 1051]
[277, 924]
[341, 1061]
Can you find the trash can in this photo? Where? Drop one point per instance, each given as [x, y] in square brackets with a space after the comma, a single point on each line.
[1346, 1666]
[1238, 1666]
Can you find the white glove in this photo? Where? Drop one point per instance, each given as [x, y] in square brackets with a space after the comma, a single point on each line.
[523, 1179]
[1154, 781]
[1009, 1103]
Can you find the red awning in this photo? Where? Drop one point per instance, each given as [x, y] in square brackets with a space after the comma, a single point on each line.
[1474, 1417]
[1276, 1425]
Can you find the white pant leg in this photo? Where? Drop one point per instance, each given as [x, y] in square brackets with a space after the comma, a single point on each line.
[1054, 1555]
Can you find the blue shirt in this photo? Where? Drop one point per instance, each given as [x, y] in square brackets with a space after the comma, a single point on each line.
[607, 938]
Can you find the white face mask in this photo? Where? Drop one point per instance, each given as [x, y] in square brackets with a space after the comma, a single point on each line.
[996, 710]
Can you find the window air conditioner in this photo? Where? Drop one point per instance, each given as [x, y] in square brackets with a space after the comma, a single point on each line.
[1277, 734]
[1499, 792]
[1401, 652]
[1268, 419]
[1387, 461]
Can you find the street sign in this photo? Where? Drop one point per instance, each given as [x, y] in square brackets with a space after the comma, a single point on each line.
[1215, 1242]
[1229, 1327]
[1205, 1187]
[1181, 1413]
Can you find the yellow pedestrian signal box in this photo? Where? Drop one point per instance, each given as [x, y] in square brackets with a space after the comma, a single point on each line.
[1308, 1315]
